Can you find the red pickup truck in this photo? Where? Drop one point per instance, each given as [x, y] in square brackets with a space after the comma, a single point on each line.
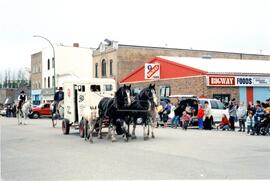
[41, 110]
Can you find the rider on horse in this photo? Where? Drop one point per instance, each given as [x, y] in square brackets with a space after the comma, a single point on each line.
[59, 96]
[22, 99]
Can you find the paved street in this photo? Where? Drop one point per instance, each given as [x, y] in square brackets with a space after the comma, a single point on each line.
[39, 152]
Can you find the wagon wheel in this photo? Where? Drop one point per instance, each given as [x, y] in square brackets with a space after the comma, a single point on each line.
[81, 128]
[65, 126]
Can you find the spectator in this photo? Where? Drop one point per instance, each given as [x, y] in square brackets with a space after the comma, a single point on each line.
[200, 116]
[241, 115]
[263, 123]
[232, 113]
[185, 120]
[259, 112]
[166, 112]
[208, 117]
[250, 122]
[188, 109]
[225, 123]
[251, 108]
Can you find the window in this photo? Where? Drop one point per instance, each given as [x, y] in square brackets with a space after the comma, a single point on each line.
[53, 81]
[165, 91]
[95, 88]
[214, 104]
[45, 82]
[39, 84]
[83, 88]
[103, 68]
[107, 87]
[111, 67]
[53, 63]
[49, 82]
[224, 98]
[48, 64]
[96, 71]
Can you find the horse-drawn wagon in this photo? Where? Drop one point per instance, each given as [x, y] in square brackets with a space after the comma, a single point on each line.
[80, 96]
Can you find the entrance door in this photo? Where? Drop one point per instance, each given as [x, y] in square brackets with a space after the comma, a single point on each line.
[76, 103]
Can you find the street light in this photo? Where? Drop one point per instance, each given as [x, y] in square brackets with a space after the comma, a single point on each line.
[54, 89]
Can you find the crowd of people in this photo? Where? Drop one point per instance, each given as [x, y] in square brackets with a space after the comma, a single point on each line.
[253, 119]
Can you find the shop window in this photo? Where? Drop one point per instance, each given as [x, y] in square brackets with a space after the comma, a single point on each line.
[224, 98]
[165, 91]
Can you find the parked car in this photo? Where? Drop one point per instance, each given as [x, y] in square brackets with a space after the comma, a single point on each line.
[41, 110]
[217, 108]
[181, 101]
[3, 112]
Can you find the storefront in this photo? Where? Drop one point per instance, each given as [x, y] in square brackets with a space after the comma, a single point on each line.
[223, 79]
[36, 97]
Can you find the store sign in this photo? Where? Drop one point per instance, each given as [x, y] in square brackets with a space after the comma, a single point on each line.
[152, 71]
[221, 81]
[238, 81]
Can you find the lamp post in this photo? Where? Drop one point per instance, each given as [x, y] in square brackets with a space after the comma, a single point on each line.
[54, 80]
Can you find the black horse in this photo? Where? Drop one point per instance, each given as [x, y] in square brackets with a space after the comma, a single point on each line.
[110, 108]
[144, 109]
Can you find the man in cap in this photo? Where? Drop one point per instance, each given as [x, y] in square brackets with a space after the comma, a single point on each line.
[58, 96]
[22, 98]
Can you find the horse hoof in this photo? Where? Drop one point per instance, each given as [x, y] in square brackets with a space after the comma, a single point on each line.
[91, 141]
[126, 139]
[114, 140]
[100, 137]
[145, 138]
[133, 137]
[153, 136]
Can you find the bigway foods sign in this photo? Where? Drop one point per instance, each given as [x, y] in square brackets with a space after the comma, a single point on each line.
[152, 71]
[238, 81]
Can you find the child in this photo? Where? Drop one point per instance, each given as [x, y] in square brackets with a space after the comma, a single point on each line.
[225, 123]
[200, 116]
[250, 122]
[185, 120]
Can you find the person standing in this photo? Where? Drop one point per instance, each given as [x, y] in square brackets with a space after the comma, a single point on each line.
[207, 115]
[185, 120]
[241, 115]
[232, 114]
[200, 116]
[250, 122]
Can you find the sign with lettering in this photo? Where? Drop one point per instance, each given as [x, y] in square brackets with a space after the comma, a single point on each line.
[238, 81]
[221, 81]
[152, 71]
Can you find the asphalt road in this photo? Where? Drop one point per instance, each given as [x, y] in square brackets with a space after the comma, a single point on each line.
[39, 152]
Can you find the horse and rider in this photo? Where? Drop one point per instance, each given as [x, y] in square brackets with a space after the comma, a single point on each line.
[58, 101]
[23, 107]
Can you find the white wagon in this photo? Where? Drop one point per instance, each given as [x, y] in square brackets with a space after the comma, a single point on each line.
[82, 94]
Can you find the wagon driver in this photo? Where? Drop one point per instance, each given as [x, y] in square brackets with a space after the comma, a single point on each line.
[58, 96]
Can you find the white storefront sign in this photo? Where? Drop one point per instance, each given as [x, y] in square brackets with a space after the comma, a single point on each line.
[241, 81]
[152, 71]
[252, 81]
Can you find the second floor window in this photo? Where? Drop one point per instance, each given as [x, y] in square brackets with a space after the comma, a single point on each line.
[96, 70]
[103, 68]
[49, 82]
[48, 64]
[111, 67]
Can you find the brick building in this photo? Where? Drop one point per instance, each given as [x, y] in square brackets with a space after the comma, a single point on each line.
[113, 60]
[212, 78]
[36, 77]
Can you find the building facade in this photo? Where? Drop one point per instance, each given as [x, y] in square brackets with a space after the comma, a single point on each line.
[113, 60]
[210, 78]
[71, 63]
[36, 78]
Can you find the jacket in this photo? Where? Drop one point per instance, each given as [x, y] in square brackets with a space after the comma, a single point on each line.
[250, 121]
[200, 113]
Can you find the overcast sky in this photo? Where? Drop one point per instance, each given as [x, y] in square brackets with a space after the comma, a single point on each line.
[222, 25]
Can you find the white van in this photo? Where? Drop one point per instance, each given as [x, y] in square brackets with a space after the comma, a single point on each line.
[217, 108]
